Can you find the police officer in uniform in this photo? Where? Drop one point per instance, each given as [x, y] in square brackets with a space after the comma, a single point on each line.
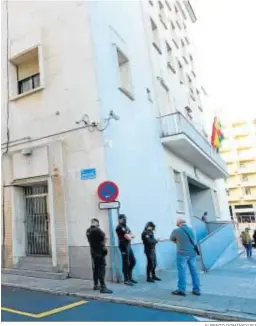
[150, 242]
[128, 260]
[97, 239]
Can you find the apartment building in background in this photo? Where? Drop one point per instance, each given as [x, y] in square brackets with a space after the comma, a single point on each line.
[239, 152]
[109, 87]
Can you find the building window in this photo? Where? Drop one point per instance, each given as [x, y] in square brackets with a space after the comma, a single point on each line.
[192, 94]
[178, 24]
[168, 4]
[188, 113]
[25, 71]
[192, 63]
[189, 79]
[227, 192]
[151, 2]
[180, 208]
[181, 73]
[187, 41]
[242, 165]
[29, 83]
[216, 203]
[176, 9]
[171, 61]
[149, 95]
[163, 96]
[125, 74]
[156, 39]
[244, 177]
[162, 15]
[198, 98]
[247, 191]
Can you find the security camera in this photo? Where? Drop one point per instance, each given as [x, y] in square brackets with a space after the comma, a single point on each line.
[113, 115]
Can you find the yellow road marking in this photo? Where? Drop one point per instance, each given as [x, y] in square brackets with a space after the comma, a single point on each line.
[46, 313]
[13, 311]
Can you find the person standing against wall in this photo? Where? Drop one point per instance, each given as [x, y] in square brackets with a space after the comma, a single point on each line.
[150, 242]
[97, 240]
[125, 237]
[184, 239]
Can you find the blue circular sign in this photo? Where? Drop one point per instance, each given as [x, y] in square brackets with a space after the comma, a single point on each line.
[108, 191]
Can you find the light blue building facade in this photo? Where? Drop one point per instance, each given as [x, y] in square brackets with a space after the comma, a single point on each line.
[137, 157]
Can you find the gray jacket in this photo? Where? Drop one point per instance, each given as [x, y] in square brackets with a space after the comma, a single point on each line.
[184, 246]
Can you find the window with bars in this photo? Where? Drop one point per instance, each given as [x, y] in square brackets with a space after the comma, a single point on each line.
[37, 221]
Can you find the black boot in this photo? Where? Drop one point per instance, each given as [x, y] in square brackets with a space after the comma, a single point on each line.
[105, 290]
[133, 281]
[96, 287]
[128, 282]
[155, 278]
[150, 280]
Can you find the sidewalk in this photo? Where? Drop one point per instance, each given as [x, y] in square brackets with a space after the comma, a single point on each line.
[227, 293]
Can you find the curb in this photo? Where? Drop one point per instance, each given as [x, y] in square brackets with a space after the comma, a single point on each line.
[211, 314]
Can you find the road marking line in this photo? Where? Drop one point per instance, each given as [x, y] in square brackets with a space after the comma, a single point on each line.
[46, 313]
[57, 310]
[18, 312]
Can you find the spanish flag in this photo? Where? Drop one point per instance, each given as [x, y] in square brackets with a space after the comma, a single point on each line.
[217, 135]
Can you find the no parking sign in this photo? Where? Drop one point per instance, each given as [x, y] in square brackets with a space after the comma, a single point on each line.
[108, 191]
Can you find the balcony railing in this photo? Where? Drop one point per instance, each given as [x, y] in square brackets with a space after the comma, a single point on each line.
[176, 124]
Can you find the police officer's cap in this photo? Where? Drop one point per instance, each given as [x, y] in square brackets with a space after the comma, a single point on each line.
[121, 216]
[152, 224]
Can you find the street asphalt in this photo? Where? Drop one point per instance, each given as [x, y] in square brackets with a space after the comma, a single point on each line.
[26, 305]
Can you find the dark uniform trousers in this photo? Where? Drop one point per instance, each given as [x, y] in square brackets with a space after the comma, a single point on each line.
[151, 262]
[129, 261]
[99, 269]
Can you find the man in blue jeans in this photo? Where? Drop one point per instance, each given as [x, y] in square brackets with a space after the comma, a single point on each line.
[184, 238]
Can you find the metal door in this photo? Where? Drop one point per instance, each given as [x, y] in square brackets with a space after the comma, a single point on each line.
[37, 221]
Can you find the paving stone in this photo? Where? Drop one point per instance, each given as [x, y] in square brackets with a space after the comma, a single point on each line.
[230, 288]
